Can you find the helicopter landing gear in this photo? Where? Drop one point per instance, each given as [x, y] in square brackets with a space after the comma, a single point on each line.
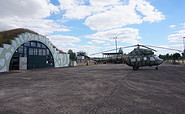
[135, 68]
[156, 68]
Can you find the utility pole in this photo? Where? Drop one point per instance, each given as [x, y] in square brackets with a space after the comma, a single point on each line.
[115, 42]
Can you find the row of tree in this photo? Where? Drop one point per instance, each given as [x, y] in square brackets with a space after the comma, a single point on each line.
[174, 56]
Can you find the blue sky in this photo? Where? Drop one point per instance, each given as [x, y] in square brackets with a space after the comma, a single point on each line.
[90, 25]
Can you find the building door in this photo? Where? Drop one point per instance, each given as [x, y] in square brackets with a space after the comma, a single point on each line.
[14, 64]
[31, 55]
[23, 63]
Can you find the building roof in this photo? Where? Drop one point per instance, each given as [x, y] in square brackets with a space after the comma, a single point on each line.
[8, 35]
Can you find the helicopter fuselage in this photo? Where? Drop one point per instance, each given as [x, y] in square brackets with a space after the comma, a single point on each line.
[140, 56]
[142, 60]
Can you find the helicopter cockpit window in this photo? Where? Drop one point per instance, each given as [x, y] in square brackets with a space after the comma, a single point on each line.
[138, 59]
[156, 57]
[133, 60]
[152, 59]
[144, 58]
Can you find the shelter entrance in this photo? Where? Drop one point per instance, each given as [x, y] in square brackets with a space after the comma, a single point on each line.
[31, 55]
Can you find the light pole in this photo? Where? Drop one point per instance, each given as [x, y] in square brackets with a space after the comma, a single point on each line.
[184, 45]
[115, 42]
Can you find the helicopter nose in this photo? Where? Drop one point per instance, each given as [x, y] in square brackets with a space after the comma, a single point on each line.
[160, 61]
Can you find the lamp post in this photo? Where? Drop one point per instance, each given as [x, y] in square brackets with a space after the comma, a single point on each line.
[115, 42]
[184, 45]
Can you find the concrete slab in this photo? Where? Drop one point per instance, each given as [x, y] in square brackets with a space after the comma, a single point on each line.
[102, 89]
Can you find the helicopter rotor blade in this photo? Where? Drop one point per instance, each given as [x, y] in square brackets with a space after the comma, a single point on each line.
[164, 48]
[112, 50]
[138, 45]
[103, 52]
[148, 48]
[128, 46]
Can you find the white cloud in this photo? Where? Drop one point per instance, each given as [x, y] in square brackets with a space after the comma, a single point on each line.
[114, 18]
[150, 13]
[128, 35]
[121, 11]
[120, 15]
[172, 26]
[104, 2]
[74, 9]
[42, 26]
[183, 25]
[27, 8]
[78, 9]
[177, 37]
[96, 42]
[64, 39]
[29, 14]
[89, 49]
[64, 42]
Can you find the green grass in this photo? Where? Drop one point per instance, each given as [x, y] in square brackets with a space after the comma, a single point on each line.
[7, 36]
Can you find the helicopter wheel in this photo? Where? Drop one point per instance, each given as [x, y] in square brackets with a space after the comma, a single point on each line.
[156, 68]
[135, 68]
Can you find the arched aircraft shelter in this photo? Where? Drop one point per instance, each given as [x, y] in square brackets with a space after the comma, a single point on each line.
[32, 54]
[30, 51]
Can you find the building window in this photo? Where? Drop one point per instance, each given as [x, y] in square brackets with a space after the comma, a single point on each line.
[25, 51]
[35, 51]
[47, 51]
[33, 44]
[43, 52]
[30, 51]
[43, 46]
[40, 51]
[39, 44]
[27, 44]
[20, 49]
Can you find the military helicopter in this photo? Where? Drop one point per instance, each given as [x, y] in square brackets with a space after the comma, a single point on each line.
[141, 56]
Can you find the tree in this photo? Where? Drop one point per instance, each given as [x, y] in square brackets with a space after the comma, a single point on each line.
[70, 51]
[72, 55]
[163, 57]
[176, 56]
[81, 53]
[120, 51]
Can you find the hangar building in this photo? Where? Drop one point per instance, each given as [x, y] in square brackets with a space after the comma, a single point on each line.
[22, 49]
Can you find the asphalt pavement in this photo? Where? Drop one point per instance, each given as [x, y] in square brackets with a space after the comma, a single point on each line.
[95, 89]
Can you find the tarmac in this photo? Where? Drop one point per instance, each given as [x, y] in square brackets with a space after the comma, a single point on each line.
[94, 89]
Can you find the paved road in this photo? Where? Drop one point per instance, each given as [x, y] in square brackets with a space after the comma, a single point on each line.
[97, 89]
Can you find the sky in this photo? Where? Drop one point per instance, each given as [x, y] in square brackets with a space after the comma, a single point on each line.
[92, 25]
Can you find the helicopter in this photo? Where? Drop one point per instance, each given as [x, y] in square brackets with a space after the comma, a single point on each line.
[141, 56]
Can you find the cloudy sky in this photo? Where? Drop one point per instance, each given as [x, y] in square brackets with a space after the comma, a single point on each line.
[91, 25]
